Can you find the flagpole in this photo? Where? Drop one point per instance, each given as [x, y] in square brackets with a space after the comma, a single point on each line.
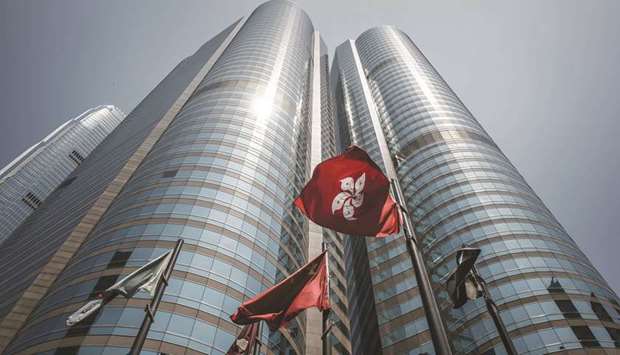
[325, 313]
[431, 308]
[494, 312]
[151, 308]
[257, 342]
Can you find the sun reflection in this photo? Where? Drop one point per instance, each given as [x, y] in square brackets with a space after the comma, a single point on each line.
[262, 106]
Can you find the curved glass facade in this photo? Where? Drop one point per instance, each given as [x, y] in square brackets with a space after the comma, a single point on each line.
[38, 250]
[461, 189]
[223, 177]
[215, 155]
[29, 179]
[353, 126]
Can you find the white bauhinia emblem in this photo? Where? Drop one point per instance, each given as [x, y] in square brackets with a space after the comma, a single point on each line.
[351, 197]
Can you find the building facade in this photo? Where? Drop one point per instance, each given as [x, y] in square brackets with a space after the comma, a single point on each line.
[324, 146]
[460, 189]
[214, 155]
[26, 182]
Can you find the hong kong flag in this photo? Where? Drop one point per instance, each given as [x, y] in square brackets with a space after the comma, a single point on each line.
[349, 194]
[305, 288]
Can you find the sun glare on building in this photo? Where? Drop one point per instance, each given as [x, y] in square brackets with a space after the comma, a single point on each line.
[262, 106]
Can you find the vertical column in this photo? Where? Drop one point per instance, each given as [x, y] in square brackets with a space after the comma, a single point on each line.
[315, 233]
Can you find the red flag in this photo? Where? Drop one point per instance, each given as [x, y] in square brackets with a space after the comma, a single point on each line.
[246, 341]
[305, 288]
[349, 194]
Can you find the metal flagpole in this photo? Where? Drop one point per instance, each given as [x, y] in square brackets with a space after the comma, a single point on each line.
[151, 308]
[257, 342]
[494, 312]
[431, 309]
[325, 313]
[325, 335]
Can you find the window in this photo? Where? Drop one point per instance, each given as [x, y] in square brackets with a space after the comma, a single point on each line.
[600, 311]
[76, 157]
[119, 259]
[585, 336]
[170, 173]
[103, 283]
[615, 335]
[67, 350]
[32, 200]
[568, 309]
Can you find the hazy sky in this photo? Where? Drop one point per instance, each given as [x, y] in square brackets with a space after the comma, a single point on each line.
[542, 77]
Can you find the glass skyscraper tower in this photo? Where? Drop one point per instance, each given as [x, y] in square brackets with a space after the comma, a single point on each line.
[214, 155]
[460, 189]
[26, 182]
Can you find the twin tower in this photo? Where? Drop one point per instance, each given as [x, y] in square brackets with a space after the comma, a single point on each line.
[215, 155]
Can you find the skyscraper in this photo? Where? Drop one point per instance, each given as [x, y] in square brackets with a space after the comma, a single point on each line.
[27, 181]
[215, 155]
[460, 189]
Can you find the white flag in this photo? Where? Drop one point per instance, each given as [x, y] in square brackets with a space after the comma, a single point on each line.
[145, 278]
[84, 311]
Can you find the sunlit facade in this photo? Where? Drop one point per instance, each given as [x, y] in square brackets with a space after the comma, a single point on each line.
[26, 182]
[221, 150]
[216, 153]
[460, 189]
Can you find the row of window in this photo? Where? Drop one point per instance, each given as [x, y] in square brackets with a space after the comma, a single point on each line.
[460, 213]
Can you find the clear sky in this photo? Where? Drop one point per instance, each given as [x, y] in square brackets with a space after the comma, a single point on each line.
[542, 77]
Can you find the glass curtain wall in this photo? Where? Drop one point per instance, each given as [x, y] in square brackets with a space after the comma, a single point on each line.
[28, 180]
[222, 177]
[461, 189]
